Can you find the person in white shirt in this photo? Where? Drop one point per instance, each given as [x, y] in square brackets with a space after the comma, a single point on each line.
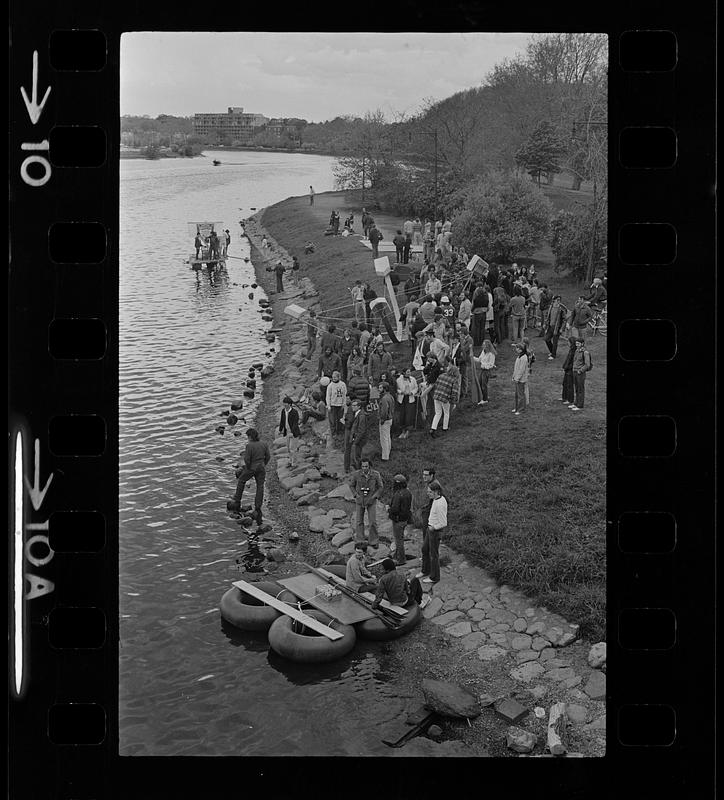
[439, 349]
[465, 309]
[433, 285]
[358, 301]
[407, 391]
[434, 530]
[520, 378]
[486, 359]
[336, 402]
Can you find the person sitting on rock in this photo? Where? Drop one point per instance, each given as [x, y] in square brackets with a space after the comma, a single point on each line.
[358, 577]
[317, 410]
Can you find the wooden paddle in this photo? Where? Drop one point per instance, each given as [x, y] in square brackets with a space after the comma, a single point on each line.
[390, 623]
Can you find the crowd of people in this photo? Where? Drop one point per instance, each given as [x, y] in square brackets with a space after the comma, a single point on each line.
[455, 321]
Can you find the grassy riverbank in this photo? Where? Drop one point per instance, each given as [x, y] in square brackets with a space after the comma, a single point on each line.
[527, 494]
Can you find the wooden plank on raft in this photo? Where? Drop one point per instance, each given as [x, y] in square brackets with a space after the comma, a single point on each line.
[290, 611]
[343, 608]
[398, 610]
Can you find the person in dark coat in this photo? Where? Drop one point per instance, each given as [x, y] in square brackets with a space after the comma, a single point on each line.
[375, 238]
[568, 382]
[289, 427]
[359, 433]
[329, 362]
[256, 457]
[401, 515]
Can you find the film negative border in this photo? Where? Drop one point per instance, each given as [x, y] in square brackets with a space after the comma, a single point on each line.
[63, 448]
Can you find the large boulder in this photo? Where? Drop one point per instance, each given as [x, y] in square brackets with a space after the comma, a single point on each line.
[450, 699]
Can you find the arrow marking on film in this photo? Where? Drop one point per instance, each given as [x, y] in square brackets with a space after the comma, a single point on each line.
[37, 495]
[34, 109]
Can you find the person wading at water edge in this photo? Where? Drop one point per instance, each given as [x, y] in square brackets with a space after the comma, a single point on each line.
[289, 427]
[434, 531]
[357, 576]
[256, 457]
[400, 512]
[366, 483]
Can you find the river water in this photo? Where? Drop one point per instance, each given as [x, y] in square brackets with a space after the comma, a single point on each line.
[190, 684]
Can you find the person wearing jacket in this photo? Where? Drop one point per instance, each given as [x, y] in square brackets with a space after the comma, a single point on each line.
[386, 411]
[359, 433]
[400, 512]
[367, 485]
[358, 387]
[517, 314]
[568, 382]
[486, 361]
[430, 373]
[328, 363]
[378, 362]
[479, 312]
[375, 238]
[256, 457]
[582, 364]
[289, 427]
[579, 318]
[500, 308]
[348, 419]
[520, 377]
[407, 391]
[345, 347]
[355, 363]
[336, 402]
[330, 338]
[317, 410]
[555, 320]
[544, 302]
[445, 396]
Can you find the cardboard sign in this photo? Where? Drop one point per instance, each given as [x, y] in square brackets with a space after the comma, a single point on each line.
[295, 311]
[382, 266]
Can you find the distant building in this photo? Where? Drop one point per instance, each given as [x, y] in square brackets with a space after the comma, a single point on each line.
[234, 124]
[285, 125]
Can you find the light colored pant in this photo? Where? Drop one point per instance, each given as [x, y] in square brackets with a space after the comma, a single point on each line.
[359, 311]
[385, 439]
[371, 510]
[441, 410]
[518, 328]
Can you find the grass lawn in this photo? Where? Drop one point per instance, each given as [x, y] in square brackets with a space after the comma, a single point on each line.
[527, 493]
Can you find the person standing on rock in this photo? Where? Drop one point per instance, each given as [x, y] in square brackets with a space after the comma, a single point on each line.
[434, 531]
[311, 196]
[256, 457]
[357, 577]
[386, 411]
[279, 272]
[289, 427]
[367, 485]
[336, 402]
[359, 433]
[400, 512]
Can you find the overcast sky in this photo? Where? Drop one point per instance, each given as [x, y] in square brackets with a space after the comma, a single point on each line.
[315, 76]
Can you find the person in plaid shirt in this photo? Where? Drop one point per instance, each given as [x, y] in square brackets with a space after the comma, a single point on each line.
[446, 394]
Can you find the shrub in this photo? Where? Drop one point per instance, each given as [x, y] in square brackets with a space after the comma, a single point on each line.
[501, 218]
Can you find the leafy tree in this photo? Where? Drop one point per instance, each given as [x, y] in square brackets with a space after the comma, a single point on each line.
[577, 239]
[542, 152]
[502, 218]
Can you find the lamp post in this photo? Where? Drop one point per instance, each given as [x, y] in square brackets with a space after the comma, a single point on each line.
[594, 226]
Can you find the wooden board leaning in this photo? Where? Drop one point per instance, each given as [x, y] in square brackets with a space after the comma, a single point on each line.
[290, 611]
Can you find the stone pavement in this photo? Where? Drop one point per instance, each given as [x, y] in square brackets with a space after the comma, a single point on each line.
[480, 618]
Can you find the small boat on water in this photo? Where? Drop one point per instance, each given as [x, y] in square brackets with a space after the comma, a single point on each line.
[216, 162]
[210, 244]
